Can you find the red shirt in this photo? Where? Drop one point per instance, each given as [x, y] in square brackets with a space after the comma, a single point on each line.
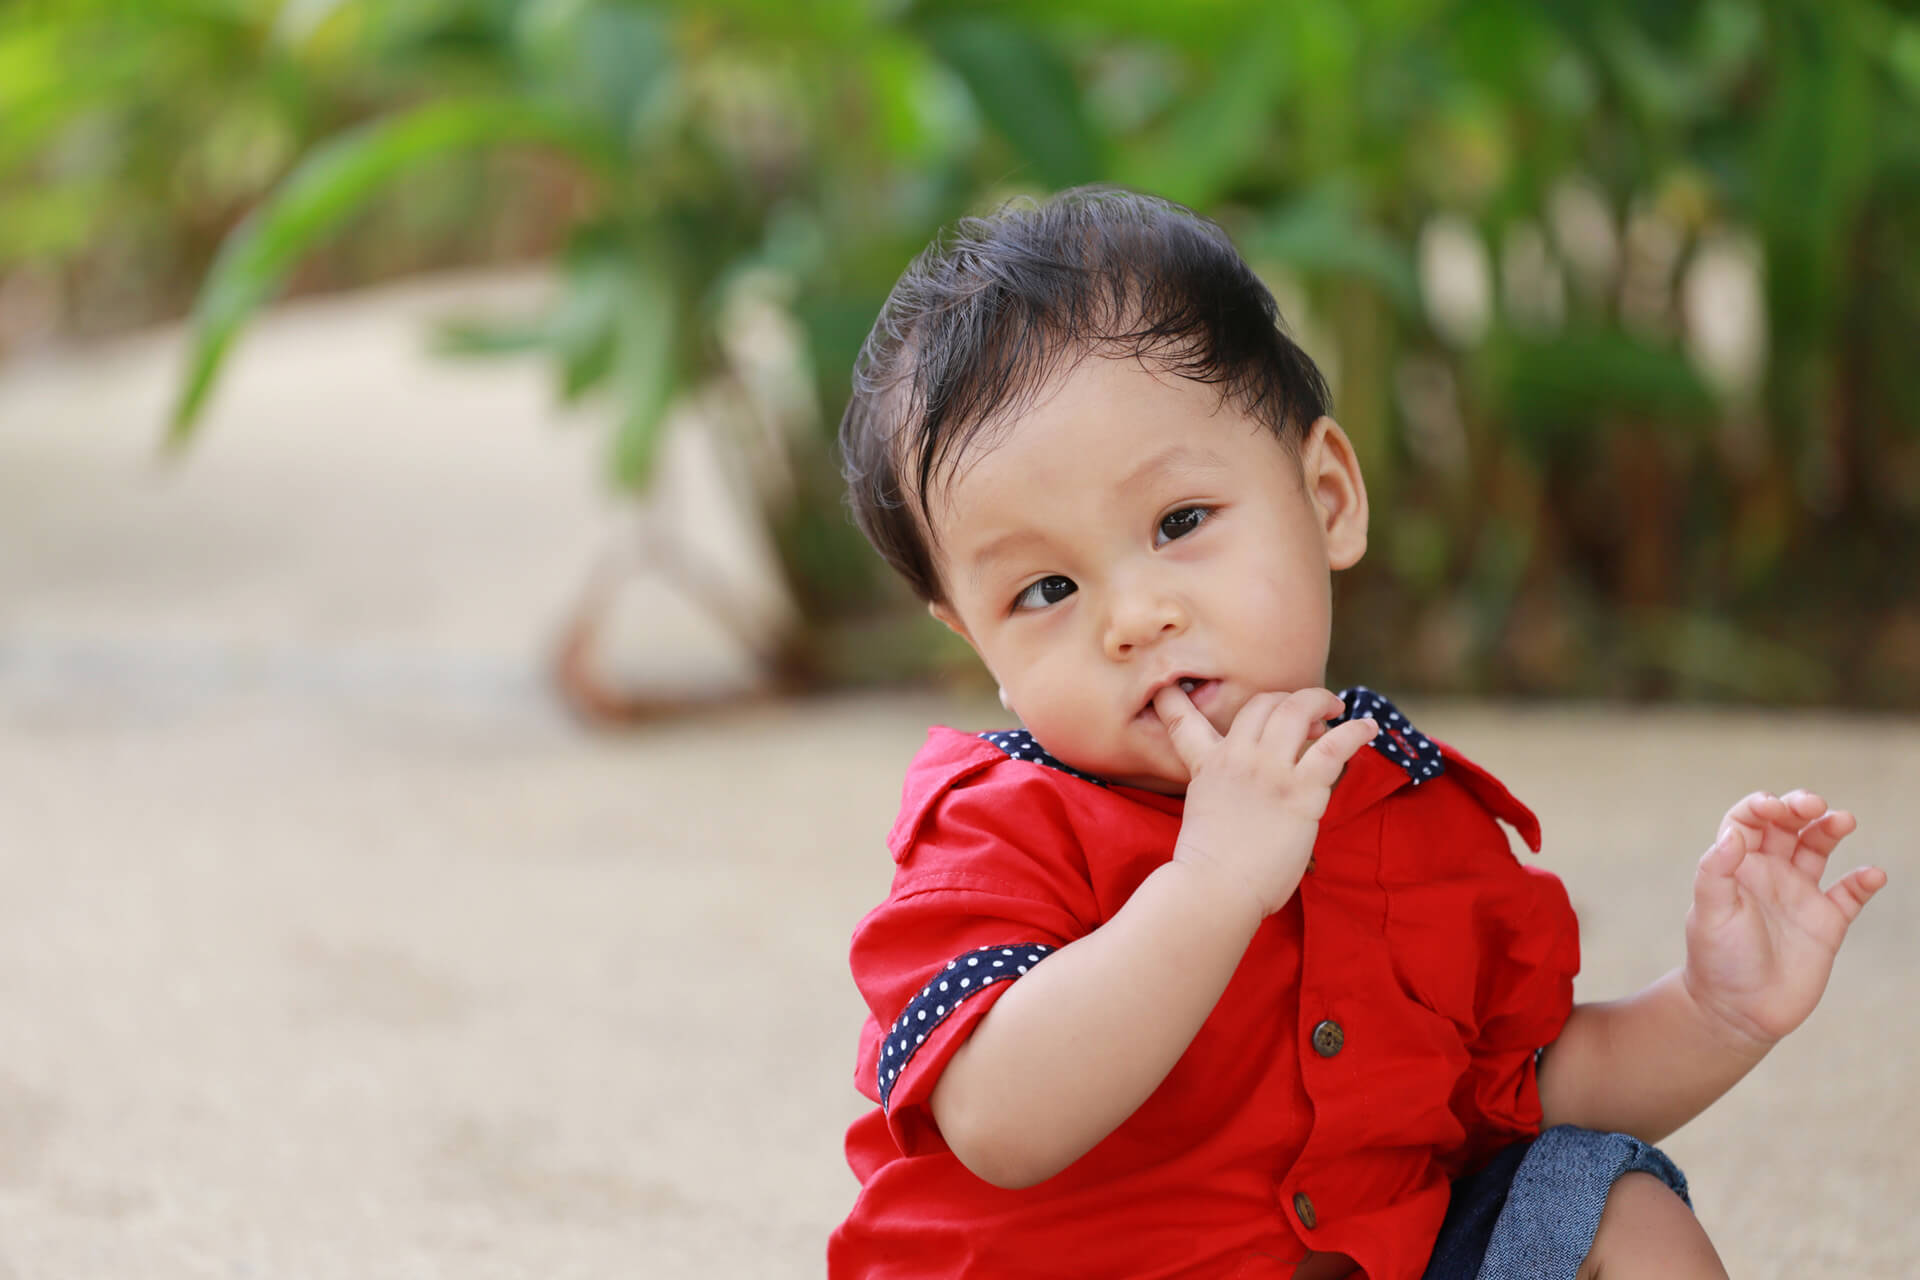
[1377, 1039]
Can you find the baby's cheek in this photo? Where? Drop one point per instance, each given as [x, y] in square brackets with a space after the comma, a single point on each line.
[1049, 716]
[1078, 736]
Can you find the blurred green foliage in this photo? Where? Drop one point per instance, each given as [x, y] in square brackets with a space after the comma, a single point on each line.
[1618, 299]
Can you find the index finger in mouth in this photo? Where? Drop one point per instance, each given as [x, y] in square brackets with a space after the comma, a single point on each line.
[1189, 730]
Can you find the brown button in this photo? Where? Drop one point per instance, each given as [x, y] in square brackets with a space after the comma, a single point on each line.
[1304, 1207]
[1309, 862]
[1327, 1038]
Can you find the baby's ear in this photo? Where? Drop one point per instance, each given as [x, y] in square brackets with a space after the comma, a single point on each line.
[1330, 469]
[949, 619]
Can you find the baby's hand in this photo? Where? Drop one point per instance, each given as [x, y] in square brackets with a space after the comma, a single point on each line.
[1761, 936]
[1255, 796]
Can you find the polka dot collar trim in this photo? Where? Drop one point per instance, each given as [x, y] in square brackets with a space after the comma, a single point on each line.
[1398, 740]
[1020, 744]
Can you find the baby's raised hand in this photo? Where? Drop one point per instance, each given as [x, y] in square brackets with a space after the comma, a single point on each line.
[1256, 793]
[1761, 936]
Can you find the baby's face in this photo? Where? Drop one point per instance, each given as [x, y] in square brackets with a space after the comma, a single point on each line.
[1132, 531]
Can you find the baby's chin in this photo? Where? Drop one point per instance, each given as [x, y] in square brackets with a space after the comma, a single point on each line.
[1168, 779]
[1145, 760]
[1152, 782]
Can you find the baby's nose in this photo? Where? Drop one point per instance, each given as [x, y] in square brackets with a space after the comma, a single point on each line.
[1141, 619]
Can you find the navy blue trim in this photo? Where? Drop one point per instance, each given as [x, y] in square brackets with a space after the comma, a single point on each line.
[964, 976]
[1398, 740]
[1019, 744]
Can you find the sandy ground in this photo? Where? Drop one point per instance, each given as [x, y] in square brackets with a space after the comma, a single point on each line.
[330, 948]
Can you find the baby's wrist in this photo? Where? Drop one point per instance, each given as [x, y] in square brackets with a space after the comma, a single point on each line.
[1228, 891]
[1737, 1034]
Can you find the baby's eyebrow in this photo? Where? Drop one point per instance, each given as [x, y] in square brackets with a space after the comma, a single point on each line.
[1175, 457]
[998, 549]
[1171, 460]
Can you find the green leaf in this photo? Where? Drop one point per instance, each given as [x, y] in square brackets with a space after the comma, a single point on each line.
[585, 331]
[608, 59]
[1903, 57]
[489, 338]
[1026, 89]
[921, 110]
[1666, 88]
[577, 329]
[51, 79]
[1582, 381]
[836, 326]
[1322, 235]
[335, 182]
[645, 349]
[50, 221]
[1216, 135]
[1813, 153]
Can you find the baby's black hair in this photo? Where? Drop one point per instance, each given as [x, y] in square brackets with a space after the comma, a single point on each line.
[987, 316]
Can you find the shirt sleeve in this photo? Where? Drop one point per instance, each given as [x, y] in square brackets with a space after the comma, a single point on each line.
[1531, 950]
[991, 881]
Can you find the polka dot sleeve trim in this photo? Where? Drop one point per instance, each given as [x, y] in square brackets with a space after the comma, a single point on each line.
[964, 977]
[1397, 740]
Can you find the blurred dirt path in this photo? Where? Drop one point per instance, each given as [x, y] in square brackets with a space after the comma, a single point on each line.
[329, 948]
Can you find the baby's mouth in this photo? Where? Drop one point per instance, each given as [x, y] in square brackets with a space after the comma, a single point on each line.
[1195, 687]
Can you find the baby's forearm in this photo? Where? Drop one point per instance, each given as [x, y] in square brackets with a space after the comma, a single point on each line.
[1074, 1047]
[1644, 1065]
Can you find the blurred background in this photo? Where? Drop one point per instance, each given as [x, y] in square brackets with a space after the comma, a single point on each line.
[397, 394]
[1617, 300]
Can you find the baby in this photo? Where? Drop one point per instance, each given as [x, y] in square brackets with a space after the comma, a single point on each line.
[1208, 971]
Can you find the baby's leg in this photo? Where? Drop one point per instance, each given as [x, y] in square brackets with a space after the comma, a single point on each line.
[1647, 1230]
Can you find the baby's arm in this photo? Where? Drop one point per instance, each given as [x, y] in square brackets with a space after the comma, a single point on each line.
[1073, 1048]
[1761, 940]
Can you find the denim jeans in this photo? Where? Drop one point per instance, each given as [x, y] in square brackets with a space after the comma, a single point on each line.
[1531, 1213]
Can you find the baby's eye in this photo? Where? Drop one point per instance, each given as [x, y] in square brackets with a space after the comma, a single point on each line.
[1178, 524]
[1051, 589]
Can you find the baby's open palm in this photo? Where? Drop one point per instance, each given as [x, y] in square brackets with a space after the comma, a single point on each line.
[1762, 935]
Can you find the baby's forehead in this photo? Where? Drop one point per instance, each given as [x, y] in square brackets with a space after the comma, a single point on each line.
[1092, 382]
[1091, 444]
